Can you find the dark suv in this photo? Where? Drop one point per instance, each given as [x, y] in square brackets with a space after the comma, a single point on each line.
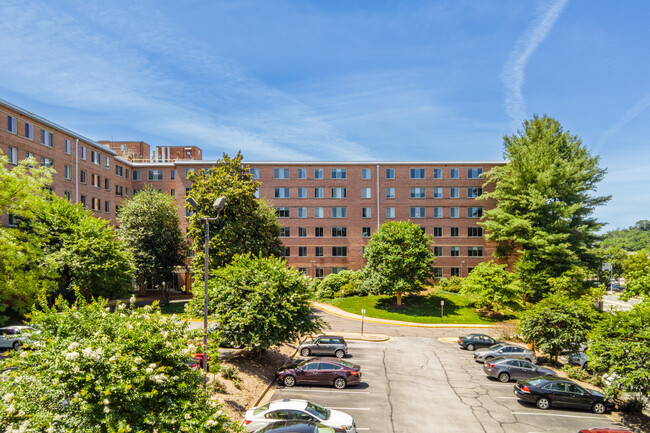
[324, 345]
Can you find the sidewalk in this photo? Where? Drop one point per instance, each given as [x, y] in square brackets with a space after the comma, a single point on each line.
[330, 309]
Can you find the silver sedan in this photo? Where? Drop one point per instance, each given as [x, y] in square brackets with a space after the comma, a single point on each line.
[502, 350]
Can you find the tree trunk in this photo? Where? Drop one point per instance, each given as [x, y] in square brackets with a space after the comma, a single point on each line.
[399, 298]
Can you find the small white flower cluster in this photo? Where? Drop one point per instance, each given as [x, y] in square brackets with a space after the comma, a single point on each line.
[211, 423]
[132, 299]
[158, 378]
[137, 360]
[21, 429]
[94, 355]
[8, 397]
[71, 356]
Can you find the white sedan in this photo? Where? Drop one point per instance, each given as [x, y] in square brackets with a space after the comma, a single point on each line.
[11, 337]
[291, 409]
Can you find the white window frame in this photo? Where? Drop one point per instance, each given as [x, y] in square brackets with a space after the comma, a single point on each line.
[454, 192]
[12, 124]
[319, 212]
[418, 212]
[390, 193]
[454, 212]
[67, 147]
[437, 212]
[366, 212]
[339, 212]
[366, 192]
[418, 193]
[437, 192]
[390, 173]
[12, 153]
[390, 213]
[301, 173]
[281, 173]
[366, 173]
[454, 173]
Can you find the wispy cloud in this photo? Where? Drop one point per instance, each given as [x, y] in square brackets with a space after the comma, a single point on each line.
[630, 114]
[514, 69]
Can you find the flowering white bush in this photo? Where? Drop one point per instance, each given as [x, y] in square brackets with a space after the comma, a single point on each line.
[95, 371]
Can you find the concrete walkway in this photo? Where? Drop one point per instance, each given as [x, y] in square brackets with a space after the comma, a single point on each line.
[341, 313]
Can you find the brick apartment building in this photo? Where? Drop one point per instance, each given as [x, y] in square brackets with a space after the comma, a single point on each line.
[328, 210]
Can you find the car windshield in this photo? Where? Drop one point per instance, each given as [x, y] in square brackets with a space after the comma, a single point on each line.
[318, 411]
[261, 409]
[346, 363]
[496, 346]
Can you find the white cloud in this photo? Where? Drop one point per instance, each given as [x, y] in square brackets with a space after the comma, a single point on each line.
[630, 114]
[514, 69]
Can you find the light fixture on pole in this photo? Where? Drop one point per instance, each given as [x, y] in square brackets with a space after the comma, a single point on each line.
[217, 206]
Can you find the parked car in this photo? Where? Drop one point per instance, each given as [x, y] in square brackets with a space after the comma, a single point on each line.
[325, 345]
[297, 410]
[502, 350]
[578, 358]
[506, 369]
[14, 336]
[297, 427]
[552, 391]
[320, 371]
[475, 341]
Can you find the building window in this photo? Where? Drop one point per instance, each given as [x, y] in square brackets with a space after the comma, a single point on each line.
[366, 212]
[47, 138]
[437, 232]
[82, 176]
[337, 269]
[437, 173]
[365, 232]
[29, 155]
[83, 201]
[417, 173]
[455, 232]
[418, 193]
[302, 232]
[474, 173]
[95, 204]
[302, 251]
[318, 173]
[67, 172]
[256, 193]
[29, 131]
[454, 173]
[95, 157]
[95, 180]
[302, 192]
[437, 272]
[285, 232]
[318, 232]
[319, 272]
[154, 175]
[339, 251]
[282, 212]
[339, 173]
[474, 212]
[318, 212]
[302, 212]
[188, 171]
[137, 174]
[454, 193]
[172, 174]
[366, 192]
[454, 212]
[454, 251]
[318, 192]
[437, 212]
[118, 170]
[339, 192]
[437, 192]
[390, 192]
[127, 192]
[126, 173]
[474, 232]
[287, 252]
[339, 232]
[475, 251]
[455, 272]
[281, 193]
[67, 147]
[11, 124]
[82, 154]
[13, 155]
[118, 192]
[107, 184]
[418, 212]
[366, 173]
[46, 162]
[339, 212]
[255, 173]
[437, 251]
[68, 195]
[390, 173]
[107, 206]
[390, 212]
[280, 173]
[107, 162]
[474, 192]
[301, 173]
[318, 252]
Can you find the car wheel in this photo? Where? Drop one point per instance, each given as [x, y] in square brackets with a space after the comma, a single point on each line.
[470, 347]
[16, 345]
[543, 403]
[339, 383]
[487, 358]
[339, 353]
[504, 377]
[289, 381]
[599, 407]
[305, 352]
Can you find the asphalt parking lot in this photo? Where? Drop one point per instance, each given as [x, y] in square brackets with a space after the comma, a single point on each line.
[422, 383]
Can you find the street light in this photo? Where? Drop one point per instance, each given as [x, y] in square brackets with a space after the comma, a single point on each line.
[217, 206]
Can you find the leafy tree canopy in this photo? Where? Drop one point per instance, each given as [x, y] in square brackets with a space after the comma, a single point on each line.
[246, 224]
[348, 282]
[399, 259]
[490, 286]
[544, 202]
[91, 370]
[634, 238]
[23, 188]
[258, 302]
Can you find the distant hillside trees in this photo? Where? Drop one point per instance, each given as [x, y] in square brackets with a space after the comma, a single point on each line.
[635, 238]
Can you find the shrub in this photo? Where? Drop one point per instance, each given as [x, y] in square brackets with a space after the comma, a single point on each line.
[491, 287]
[348, 281]
[633, 404]
[452, 284]
[230, 372]
[217, 385]
[576, 372]
[507, 331]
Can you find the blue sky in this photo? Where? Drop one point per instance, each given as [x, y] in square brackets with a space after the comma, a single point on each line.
[342, 80]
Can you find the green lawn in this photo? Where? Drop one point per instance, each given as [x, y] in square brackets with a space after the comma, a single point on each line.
[173, 308]
[415, 308]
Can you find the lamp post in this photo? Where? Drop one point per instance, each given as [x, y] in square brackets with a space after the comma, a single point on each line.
[217, 206]
[462, 262]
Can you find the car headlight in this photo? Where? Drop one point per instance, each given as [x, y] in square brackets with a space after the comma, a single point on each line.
[346, 427]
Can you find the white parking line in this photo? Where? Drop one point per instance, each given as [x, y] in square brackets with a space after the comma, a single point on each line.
[364, 429]
[509, 398]
[349, 408]
[323, 390]
[557, 414]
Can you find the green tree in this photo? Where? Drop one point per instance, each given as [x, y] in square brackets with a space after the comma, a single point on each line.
[348, 282]
[491, 287]
[619, 346]
[258, 302]
[149, 227]
[399, 260]
[557, 323]
[614, 255]
[637, 275]
[634, 238]
[23, 188]
[246, 224]
[91, 370]
[544, 203]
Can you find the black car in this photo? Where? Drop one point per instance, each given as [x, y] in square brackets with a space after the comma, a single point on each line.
[294, 426]
[474, 341]
[320, 371]
[548, 391]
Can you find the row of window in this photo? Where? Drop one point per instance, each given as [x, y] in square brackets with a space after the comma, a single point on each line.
[366, 193]
[342, 232]
[437, 272]
[343, 251]
[366, 212]
[366, 173]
